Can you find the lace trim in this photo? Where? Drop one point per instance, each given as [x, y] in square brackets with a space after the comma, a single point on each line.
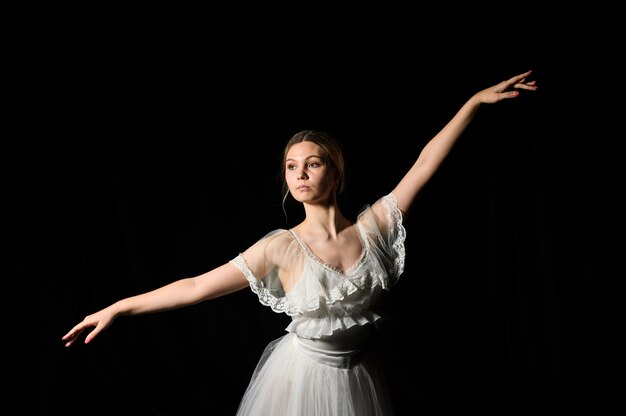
[395, 217]
[266, 297]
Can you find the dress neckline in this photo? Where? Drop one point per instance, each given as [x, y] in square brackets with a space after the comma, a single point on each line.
[307, 250]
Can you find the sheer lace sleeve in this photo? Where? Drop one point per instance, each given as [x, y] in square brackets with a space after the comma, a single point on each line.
[268, 265]
[385, 235]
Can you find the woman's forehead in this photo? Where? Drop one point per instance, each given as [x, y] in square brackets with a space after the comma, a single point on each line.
[303, 150]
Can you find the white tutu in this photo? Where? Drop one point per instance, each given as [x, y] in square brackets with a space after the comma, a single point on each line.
[293, 378]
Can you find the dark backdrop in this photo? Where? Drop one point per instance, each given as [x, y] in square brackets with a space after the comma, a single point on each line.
[142, 159]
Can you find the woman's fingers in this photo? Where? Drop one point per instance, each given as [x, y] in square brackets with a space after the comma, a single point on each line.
[530, 85]
[75, 332]
[519, 81]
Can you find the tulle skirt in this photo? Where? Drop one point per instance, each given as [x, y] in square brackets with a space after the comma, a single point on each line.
[293, 378]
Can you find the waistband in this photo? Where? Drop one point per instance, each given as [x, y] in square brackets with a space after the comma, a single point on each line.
[333, 358]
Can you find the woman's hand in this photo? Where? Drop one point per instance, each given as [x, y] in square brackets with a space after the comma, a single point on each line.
[506, 89]
[100, 320]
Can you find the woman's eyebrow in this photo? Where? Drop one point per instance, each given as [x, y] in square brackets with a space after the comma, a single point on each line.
[307, 157]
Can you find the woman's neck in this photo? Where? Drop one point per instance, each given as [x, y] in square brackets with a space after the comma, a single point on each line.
[327, 220]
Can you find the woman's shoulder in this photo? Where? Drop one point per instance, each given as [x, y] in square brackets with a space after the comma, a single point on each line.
[270, 247]
[380, 208]
[276, 236]
[278, 239]
[276, 233]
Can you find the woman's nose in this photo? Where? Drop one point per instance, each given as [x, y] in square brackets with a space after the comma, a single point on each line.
[302, 174]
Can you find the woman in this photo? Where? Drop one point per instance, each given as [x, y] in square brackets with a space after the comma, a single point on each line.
[326, 273]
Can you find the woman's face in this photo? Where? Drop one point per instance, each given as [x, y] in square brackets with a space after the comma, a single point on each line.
[310, 180]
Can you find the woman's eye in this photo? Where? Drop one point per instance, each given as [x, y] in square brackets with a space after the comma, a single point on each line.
[291, 167]
[314, 164]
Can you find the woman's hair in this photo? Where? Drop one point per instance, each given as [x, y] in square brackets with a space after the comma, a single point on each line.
[332, 155]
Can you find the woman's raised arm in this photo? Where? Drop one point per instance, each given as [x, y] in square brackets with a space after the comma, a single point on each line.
[435, 151]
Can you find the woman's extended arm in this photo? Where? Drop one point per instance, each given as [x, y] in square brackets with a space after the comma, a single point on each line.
[438, 147]
[220, 281]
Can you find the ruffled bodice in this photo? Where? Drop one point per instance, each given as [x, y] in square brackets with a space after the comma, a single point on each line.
[322, 299]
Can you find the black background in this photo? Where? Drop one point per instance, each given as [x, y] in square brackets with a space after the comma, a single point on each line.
[148, 157]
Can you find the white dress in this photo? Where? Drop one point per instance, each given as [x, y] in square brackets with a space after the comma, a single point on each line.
[323, 365]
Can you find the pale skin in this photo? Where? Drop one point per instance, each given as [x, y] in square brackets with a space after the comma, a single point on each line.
[325, 229]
